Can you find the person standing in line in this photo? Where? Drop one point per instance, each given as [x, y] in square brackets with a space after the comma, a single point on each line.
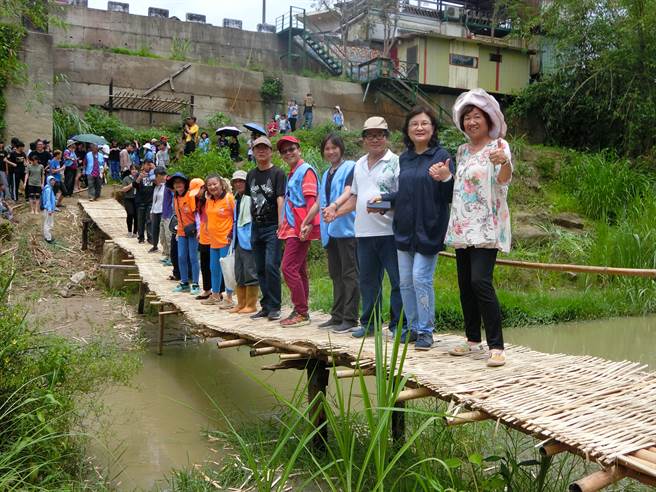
[95, 165]
[265, 184]
[34, 180]
[129, 194]
[245, 270]
[300, 196]
[16, 163]
[165, 227]
[197, 186]
[43, 155]
[157, 207]
[190, 135]
[149, 152]
[70, 167]
[188, 225]
[292, 114]
[145, 185]
[421, 215]
[134, 153]
[283, 124]
[338, 237]
[49, 207]
[479, 225]
[218, 221]
[204, 142]
[375, 173]
[115, 161]
[308, 110]
[56, 169]
[81, 153]
[162, 156]
[124, 159]
[4, 173]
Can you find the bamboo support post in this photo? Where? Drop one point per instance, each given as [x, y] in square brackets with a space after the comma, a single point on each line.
[118, 267]
[86, 225]
[413, 394]
[131, 280]
[256, 352]
[597, 481]
[552, 448]
[398, 422]
[168, 313]
[352, 373]
[142, 297]
[288, 347]
[317, 383]
[466, 418]
[238, 342]
[292, 356]
[160, 339]
[127, 260]
[157, 303]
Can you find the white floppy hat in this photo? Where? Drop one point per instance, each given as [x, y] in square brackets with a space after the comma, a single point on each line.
[485, 102]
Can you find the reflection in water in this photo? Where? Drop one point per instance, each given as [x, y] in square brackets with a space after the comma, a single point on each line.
[614, 339]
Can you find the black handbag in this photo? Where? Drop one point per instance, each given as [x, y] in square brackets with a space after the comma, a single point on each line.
[173, 225]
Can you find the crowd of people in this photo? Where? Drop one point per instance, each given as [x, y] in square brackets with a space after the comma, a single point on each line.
[381, 213]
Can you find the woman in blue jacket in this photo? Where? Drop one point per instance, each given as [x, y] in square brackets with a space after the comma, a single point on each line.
[338, 237]
[421, 216]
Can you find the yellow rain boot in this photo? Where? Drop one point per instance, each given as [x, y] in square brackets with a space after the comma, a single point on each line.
[241, 299]
[252, 292]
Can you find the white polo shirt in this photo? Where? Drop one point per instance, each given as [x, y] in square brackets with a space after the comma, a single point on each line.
[368, 183]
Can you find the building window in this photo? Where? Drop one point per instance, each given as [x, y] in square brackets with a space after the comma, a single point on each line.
[495, 57]
[463, 60]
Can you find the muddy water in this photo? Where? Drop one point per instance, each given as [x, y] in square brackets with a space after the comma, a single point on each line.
[159, 424]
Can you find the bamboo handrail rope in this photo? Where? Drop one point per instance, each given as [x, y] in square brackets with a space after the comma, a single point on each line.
[563, 267]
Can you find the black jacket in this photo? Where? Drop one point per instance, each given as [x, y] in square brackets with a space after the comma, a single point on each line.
[421, 204]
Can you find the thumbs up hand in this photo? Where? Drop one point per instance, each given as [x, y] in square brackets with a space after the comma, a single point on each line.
[498, 156]
[440, 171]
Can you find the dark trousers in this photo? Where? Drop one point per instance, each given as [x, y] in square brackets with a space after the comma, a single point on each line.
[205, 271]
[131, 211]
[94, 185]
[292, 123]
[268, 255]
[14, 179]
[245, 271]
[143, 220]
[174, 257]
[189, 147]
[343, 269]
[477, 296]
[377, 255]
[69, 180]
[155, 221]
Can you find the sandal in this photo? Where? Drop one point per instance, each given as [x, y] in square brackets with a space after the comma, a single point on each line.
[465, 348]
[171, 277]
[497, 358]
[203, 297]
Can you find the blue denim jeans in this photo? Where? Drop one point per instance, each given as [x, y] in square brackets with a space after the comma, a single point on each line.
[267, 251]
[115, 170]
[307, 119]
[416, 280]
[188, 252]
[215, 266]
[377, 255]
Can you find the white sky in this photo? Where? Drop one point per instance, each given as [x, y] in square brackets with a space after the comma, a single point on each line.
[248, 11]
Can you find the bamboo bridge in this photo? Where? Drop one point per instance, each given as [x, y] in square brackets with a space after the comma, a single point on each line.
[601, 410]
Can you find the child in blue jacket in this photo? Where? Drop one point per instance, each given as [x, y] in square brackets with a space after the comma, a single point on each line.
[49, 202]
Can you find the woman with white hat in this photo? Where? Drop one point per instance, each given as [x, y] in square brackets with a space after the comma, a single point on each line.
[479, 224]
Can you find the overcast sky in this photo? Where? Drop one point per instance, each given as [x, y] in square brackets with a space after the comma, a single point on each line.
[248, 11]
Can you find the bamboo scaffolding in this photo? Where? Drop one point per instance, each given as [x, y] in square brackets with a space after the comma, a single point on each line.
[597, 480]
[466, 418]
[233, 343]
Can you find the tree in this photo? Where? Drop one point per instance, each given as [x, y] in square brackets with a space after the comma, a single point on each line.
[601, 92]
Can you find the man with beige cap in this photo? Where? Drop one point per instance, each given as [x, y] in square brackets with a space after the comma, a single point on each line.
[375, 174]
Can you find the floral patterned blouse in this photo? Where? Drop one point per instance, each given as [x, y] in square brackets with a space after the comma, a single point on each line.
[479, 211]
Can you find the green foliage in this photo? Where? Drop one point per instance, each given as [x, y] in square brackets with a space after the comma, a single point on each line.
[199, 164]
[13, 71]
[109, 126]
[217, 120]
[271, 90]
[604, 185]
[42, 378]
[66, 122]
[600, 92]
[180, 48]
[451, 138]
[144, 51]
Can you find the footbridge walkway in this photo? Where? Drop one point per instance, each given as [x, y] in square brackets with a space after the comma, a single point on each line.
[596, 408]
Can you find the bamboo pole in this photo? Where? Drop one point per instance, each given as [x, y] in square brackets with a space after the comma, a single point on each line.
[646, 455]
[168, 313]
[352, 373]
[132, 280]
[292, 356]
[413, 394]
[552, 448]
[256, 352]
[597, 481]
[238, 342]
[119, 267]
[562, 267]
[466, 418]
[639, 465]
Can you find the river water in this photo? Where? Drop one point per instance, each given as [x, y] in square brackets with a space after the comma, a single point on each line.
[159, 422]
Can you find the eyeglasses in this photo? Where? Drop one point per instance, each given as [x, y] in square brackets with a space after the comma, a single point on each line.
[375, 136]
[287, 150]
[417, 124]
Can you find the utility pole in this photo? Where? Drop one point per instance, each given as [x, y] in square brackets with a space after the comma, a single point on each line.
[263, 12]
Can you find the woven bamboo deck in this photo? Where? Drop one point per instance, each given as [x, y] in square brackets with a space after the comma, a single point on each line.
[602, 410]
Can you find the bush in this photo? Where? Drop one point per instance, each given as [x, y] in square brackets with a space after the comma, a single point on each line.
[271, 90]
[217, 120]
[200, 164]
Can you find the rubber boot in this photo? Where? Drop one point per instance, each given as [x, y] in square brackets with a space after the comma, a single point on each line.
[241, 299]
[252, 292]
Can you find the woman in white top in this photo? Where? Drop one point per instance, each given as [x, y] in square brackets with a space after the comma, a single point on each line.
[479, 224]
